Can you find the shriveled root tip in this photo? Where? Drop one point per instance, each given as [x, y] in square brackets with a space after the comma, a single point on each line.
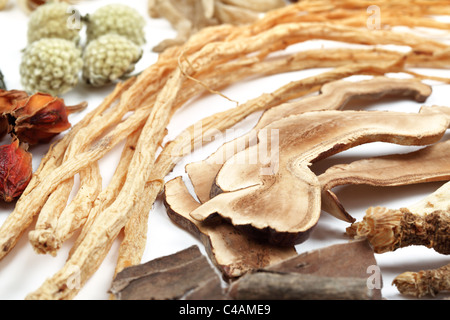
[380, 226]
[77, 108]
[44, 242]
[409, 283]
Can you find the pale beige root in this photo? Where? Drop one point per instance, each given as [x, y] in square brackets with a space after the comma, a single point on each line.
[425, 223]
[76, 213]
[252, 184]
[230, 250]
[334, 95]
[425, 165]
[424, 282]
[20, 219]
[107, 196]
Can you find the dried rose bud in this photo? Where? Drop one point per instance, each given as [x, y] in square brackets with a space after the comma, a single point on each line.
[15, 170]
[39, 118]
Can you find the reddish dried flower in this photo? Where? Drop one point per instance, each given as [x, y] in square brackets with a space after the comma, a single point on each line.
[39, 118]
[15, 170]
[36, 118]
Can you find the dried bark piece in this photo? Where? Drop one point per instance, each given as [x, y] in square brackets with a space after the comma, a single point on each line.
[425, 165]
[424, 282]
[278, 198]
[183, 275]
[341, 271]
[425, 223]
[231, 251]
[269, 285]
[333, 96]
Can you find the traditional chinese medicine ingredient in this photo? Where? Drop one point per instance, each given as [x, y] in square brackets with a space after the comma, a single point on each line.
[50, 65]
[52, 20]
[425, 165]
[117, 19]
[259, 189]
[108, 58]
[30, 5]
[3, 4]
[424, 282]
[36, 118]
[188, 17]
[185, 275]
[425, 223]
[15, 170]
[333, 96]
[231, 251]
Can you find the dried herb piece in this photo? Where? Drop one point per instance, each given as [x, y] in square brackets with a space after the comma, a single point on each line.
[230, 250]
[15, 170]
[424, 282]
[277, 197]
[425, 165]
[269, 285]
[183, 275]
[426, 223]
[333, 96]
[339, 271]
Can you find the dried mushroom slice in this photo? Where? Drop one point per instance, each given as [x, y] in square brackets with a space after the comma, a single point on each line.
[279, 198]
[425, 165]
[334, 95]
[232, 252]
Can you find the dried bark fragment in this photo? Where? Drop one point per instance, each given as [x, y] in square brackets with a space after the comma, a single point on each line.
[278, 198]
[426, 223]
[339, 271]
[354, 259]
[424, 282]
[333, 96]
[183, 275]
[425, 165]
[231, 251]
[269, 285]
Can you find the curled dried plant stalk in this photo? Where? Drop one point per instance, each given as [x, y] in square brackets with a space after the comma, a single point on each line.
[425, 223]
[424, 282]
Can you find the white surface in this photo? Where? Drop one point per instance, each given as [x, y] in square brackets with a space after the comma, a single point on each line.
[23, 271]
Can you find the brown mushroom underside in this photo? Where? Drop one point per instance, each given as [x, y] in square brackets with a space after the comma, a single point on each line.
[279, 199]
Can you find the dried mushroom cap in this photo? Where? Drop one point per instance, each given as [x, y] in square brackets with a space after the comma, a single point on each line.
[231, 251]
[425, 165]
[334, 95]
[283, 207]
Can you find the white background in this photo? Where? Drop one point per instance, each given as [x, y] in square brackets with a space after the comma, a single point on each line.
[23, 271]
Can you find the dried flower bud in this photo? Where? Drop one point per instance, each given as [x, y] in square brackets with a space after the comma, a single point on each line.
[39, 118]
[8, 99]
[15, 170]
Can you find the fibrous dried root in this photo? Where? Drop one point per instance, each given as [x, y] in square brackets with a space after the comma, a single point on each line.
[424, 282]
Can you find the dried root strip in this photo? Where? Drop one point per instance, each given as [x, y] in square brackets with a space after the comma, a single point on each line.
[424, 282]
[19, 220]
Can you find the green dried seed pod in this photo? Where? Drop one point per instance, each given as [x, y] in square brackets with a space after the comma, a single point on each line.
[109, 58]
[54, 20]
[117, 19]
[50, 65]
